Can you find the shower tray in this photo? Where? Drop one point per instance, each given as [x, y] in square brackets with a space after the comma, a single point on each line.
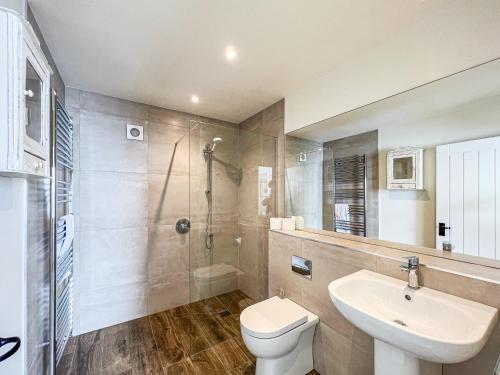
[215, 279]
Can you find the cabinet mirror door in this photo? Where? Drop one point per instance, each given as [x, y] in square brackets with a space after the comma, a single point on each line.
[33, 99]
[35, 103]
[403, 168]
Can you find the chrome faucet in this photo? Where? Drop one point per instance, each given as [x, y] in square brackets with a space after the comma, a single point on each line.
[412, 268]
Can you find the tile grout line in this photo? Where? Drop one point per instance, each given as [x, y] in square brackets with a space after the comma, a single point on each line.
[72, 359]
[216, 356]
[101, 339]
[205, 336]
[175, 335]
[164, 369]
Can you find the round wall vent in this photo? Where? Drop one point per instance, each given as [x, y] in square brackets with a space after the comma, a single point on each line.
[135, 132]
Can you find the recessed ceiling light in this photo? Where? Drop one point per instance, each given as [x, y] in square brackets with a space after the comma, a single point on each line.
[231, 53]
[195, 99]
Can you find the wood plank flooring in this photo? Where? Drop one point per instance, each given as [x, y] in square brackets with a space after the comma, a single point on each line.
[201, 338]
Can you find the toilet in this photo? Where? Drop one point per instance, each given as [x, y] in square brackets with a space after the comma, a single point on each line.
[279, 333]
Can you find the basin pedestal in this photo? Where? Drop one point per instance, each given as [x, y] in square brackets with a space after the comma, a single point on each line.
[390, 360]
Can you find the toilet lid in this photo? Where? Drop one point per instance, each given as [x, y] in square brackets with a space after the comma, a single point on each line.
[272, 317]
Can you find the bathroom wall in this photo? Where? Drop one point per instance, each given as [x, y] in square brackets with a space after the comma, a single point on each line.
[262, 144]
[341, 348]
[365, 143]
[129, 261]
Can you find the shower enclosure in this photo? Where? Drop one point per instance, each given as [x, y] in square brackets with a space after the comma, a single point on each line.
[231, 197]
[202, 258]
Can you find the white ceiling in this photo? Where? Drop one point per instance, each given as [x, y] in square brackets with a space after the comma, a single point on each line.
[161, 52]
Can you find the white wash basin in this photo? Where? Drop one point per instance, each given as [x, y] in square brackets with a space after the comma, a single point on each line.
[423, 323]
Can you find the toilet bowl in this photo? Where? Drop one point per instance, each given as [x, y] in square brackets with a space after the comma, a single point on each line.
[279, 333]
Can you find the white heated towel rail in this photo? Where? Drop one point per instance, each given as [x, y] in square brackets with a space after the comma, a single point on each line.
[64, 234]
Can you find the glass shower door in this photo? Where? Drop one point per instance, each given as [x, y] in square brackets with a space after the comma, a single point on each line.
[232, 176]
[232, 195]
[214, 183]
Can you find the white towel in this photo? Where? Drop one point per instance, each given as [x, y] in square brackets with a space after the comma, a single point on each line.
[70, 233]
[276, 223]
[299, 223]
[288, 223]
[342, 213]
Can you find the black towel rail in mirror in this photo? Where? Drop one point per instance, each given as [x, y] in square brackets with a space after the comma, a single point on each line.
[349, 191]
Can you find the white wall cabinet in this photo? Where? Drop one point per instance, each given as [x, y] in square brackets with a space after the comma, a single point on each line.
[24, 99]
[405, 169]
[25, 215]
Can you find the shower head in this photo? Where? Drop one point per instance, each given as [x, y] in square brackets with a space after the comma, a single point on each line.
[215, 142]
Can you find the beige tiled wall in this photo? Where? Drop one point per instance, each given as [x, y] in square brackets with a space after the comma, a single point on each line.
[262, 143]
[129, 261]
[341, 348]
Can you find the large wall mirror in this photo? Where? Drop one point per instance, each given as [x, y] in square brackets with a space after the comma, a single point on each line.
[419, 168]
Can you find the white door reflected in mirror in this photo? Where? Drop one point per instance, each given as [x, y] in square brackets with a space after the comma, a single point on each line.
[468, 197]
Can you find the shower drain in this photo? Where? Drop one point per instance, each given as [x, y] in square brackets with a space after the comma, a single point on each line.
[400, 322]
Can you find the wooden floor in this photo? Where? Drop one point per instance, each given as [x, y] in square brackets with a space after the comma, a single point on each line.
[199, 338]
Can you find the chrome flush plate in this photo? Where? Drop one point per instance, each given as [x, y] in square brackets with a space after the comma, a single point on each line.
[302, 266]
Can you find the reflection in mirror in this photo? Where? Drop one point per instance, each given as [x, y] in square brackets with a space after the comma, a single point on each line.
[419, 168]
[334, 184]
[266, 183]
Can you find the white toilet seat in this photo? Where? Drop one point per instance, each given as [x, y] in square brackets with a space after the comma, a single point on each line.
[272, 317]
[279, 333]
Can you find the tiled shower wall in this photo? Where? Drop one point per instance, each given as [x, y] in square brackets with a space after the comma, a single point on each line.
[129, 261]
[266, 150]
